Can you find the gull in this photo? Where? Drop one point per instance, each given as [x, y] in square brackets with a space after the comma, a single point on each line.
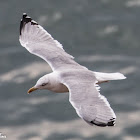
[68, 76]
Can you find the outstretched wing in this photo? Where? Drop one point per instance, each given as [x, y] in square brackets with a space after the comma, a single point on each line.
[39, 42]
[84, 96]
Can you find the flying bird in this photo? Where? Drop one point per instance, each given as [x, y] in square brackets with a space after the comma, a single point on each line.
[68, 76]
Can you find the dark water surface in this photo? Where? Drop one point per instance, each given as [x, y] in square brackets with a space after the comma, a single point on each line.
[102, 35]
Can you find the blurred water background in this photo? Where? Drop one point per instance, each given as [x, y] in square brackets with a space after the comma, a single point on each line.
[103, 35]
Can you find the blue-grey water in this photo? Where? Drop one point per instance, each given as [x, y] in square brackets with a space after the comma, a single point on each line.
[103, 35]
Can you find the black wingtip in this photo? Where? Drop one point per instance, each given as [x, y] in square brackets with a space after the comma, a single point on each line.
[110, 123]
[25, 19]
[24, 15]
[98, 124]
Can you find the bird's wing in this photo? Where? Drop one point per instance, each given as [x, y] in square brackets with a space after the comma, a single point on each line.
[84, 96]
[39, 42]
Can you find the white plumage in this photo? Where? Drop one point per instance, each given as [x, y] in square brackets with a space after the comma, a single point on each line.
[68, 75]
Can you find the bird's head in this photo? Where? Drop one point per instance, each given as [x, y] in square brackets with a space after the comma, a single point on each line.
[42, 83]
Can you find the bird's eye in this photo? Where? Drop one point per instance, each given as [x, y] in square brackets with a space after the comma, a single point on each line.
[43, 84]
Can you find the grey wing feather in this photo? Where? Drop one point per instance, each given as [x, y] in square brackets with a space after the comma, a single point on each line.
[84, 96]
[39, 42]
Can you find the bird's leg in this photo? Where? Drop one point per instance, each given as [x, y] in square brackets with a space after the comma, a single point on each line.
[102, 82]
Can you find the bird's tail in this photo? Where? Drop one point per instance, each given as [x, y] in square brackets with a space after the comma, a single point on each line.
[102, 77]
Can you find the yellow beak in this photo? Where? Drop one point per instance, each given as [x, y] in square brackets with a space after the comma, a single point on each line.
[32, 89]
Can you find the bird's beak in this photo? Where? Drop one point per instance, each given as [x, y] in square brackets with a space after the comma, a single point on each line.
[32, 89]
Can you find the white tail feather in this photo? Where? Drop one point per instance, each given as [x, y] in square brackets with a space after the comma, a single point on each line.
[108, 76]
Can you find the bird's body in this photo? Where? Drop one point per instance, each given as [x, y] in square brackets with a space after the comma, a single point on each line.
[68, 75]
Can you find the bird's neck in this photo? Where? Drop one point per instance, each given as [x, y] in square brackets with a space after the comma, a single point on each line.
[55, 85]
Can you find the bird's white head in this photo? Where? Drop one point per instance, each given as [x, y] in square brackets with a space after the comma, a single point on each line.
[42, 83]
